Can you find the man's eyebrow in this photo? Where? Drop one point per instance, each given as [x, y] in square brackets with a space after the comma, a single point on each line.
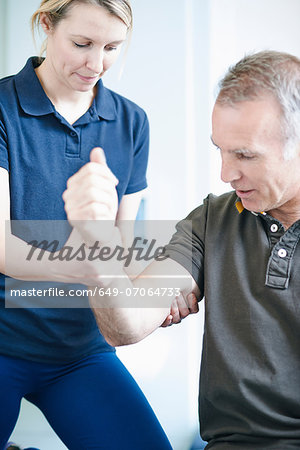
[242, 150]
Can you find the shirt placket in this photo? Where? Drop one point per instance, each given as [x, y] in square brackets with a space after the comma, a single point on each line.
[281, 257]
[73, 143]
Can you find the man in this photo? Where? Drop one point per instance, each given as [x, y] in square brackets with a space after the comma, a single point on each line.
[243, 254]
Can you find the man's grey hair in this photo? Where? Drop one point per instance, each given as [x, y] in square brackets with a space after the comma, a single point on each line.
[267, 72]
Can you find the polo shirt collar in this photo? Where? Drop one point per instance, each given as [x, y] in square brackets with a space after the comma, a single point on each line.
[104, 103]
[239, 206]
[32, 97]
[35, 102]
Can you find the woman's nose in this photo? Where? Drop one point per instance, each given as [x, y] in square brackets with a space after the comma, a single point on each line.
[95, 62]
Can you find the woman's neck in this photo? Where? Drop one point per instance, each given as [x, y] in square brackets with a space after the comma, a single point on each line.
[69, 103]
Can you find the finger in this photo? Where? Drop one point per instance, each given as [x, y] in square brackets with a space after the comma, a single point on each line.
[192, 303]
[91, 172]
[175, 312]
[182, 306]
[94, 212]
[80, 198]
[97, 155]
[167, 322]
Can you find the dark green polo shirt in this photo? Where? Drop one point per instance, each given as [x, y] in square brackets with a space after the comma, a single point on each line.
[248, 269]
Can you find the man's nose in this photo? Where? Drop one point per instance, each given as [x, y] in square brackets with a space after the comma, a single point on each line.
[229, 171]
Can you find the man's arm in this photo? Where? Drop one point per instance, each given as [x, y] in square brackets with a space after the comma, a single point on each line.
[126, 311]
[128, 209]
[142, 305]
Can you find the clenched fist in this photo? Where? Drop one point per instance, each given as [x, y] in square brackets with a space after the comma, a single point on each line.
[91, 200]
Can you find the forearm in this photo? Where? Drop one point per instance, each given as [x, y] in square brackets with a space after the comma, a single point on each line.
[67, 262]
[123, 315]
[19, 262]
[128, 311]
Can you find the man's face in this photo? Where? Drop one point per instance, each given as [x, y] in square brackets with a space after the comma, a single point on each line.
[251, 144]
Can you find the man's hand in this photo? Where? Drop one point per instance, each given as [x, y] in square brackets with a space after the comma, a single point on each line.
[91, 197]
[181, 308]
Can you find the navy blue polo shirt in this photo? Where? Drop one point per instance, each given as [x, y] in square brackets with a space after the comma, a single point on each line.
[41, 150]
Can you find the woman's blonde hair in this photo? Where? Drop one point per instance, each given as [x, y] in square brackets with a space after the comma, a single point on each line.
[58, 10]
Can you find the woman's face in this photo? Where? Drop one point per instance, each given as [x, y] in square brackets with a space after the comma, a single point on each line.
[83, 46]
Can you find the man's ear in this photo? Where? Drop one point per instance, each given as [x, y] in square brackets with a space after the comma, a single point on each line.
[46, 23]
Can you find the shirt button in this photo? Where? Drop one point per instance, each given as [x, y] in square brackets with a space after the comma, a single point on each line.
[73, 134]
[282, 253]
[274, 227]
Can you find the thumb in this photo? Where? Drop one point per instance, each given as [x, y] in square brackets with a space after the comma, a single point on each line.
[97, 155]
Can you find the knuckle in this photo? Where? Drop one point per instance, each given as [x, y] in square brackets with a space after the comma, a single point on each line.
[92, 193]
[96, 211]
[70, 181]
[89, 168]
[67, 208]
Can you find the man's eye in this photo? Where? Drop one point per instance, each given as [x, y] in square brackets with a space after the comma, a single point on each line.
[244, 156]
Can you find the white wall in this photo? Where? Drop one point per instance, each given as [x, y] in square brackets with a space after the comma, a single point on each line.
[179, 50]
[238, 27]
[163, 75]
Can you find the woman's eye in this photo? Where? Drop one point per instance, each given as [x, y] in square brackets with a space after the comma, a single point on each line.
[110, 49]
[80, 45]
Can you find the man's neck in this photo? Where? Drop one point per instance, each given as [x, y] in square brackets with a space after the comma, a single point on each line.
[287, 218]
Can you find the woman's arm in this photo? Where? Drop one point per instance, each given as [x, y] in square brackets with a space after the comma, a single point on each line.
[14, 252]
[4, 213]
[129, 206]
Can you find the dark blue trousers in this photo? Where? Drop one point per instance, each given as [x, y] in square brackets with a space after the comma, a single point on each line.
[93, 403]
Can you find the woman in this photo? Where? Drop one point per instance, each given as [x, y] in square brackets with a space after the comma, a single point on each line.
[53, 113]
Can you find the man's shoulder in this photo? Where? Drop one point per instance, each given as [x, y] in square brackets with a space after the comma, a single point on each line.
[225, 200]
[223, 204]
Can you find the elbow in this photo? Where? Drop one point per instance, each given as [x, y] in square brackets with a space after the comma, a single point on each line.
[118, 332]
[119, 340]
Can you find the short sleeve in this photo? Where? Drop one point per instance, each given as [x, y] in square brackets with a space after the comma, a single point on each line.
[187, 245]
[138, 180]
[4, 162]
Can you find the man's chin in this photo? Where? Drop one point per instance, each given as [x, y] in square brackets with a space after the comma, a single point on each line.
[251, 206]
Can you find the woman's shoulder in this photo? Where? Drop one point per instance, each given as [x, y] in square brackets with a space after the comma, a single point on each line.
[120, 103]
[7, 84]
[8, 98]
